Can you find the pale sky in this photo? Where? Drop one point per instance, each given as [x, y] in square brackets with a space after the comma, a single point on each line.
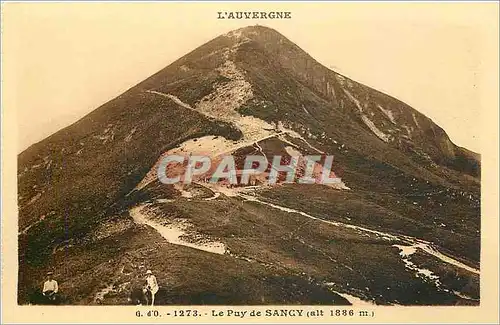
[62, 60]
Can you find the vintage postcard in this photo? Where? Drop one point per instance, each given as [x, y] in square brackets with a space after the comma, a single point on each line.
[253, 162]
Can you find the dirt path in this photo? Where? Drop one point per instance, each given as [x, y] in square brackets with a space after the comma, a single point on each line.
[174, 233]
[409, 240]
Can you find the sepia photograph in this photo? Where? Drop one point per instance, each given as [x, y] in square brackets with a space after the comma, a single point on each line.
[270, 155]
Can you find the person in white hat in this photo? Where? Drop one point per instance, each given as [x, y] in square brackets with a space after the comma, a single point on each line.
[151, 285]
[50, 287]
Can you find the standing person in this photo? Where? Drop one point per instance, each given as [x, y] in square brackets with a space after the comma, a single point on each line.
[151, 285]
[50, 288]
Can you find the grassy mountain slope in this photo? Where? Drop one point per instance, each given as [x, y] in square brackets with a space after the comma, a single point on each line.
[76, 190]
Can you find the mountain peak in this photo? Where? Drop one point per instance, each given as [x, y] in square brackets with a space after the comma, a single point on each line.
[252, 30]
[258, 33]
[90, 196]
